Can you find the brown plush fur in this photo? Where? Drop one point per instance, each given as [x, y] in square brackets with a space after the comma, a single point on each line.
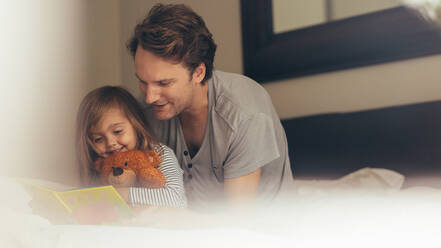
[136, 168]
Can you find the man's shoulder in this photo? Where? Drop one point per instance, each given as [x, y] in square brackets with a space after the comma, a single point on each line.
[234, 84]
[238, 97]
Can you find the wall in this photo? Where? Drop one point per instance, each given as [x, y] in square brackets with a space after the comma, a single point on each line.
[103, 39]
[397, 83]
[51, 56]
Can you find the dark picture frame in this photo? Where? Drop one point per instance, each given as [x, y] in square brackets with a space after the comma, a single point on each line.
[379, 37]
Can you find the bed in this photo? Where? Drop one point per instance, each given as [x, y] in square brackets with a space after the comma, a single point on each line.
[406, 139]
[359, 182]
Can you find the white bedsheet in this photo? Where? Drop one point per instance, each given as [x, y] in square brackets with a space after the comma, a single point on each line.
[364, 209]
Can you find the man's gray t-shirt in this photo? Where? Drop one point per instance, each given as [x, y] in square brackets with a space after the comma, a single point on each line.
[243, 133]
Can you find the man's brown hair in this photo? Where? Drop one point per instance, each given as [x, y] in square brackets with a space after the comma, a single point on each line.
[175, 32]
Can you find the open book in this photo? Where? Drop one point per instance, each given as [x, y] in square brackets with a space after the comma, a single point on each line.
[62, 204]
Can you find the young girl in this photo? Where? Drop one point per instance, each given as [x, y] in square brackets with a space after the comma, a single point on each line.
[110, 120]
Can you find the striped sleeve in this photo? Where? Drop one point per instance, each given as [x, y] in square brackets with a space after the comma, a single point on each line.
[172, 194]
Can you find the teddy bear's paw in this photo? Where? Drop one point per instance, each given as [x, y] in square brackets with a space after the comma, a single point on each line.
[151, 178]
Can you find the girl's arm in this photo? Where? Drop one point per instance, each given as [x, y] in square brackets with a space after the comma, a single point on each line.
[171, 195]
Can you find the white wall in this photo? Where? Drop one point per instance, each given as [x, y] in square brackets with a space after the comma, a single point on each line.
[51, 56]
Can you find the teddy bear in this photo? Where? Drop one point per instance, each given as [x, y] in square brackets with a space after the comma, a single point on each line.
[130, 169]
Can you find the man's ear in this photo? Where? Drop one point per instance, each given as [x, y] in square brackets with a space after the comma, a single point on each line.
[199, 73]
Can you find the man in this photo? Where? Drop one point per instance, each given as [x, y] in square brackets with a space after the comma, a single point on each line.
[223, 127]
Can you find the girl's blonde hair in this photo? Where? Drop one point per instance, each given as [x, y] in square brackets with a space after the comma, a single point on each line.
[91, 109]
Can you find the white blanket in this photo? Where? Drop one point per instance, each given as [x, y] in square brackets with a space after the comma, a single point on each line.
[363, 209]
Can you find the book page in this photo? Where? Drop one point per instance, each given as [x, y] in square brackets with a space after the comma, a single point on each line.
[46, 202]
[63, 205]
[96, 205]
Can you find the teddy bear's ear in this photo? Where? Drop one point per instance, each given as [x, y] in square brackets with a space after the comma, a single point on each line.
[154, 158]
[98, 164]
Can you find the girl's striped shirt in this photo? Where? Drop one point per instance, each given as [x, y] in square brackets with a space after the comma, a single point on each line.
[173, 193]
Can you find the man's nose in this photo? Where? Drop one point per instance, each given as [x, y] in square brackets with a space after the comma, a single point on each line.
[152, 94]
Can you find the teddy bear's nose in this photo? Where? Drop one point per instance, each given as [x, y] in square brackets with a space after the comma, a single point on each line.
[117, 171]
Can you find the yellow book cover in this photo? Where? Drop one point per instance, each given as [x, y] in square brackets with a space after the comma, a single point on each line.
[62, 204]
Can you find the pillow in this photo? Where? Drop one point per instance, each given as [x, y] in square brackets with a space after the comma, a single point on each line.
[366, 179]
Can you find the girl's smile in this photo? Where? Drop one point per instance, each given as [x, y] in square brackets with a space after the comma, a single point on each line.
[116, 150]
[113, 133]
